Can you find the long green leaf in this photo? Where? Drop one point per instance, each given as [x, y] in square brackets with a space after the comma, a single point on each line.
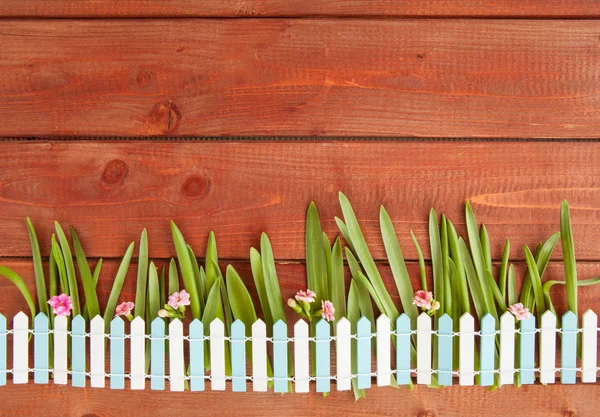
[536, 282]
[316, 265]
[173, 277]
[153, 293]
[422, 270]
[161, 286]
[142, 277]
[448, 296]
[115, 292]
[338, 284]
[353, 264]
[60, 265]
[213, 301]
[273, 291]
[20, 284]
[212, 259]
[52, 276]
[70, 269]
[457, 257]
[485, 248]
[95, 277]
[542, 256]
[474, 241]
[570, 264]
[493, 286]
[187, 270]
[512, 286]
[353, 317]
[345, 234]
[200, 277]
[549, 284]
[364, 282]
[38, 269]
[504, 269]
[471, 275]
[436, 260]
[89, 287]
[240, 299]
[259, 282]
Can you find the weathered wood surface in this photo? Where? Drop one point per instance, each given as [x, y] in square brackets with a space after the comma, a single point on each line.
[298, 8]
[110, 191]
[313, 77]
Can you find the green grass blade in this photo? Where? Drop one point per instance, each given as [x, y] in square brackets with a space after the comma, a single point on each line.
[353, 317]
[199, 277]
[493, 286]
[338, 284]
[536, 282]
[70, 269]
[225, 298]
[213, 301]
[486, 248]
[435, 245]
[153, 294]
[316, 266]
[13, 277]
[186, 269]
[52, 276]
[142, 277]
[89, 287]
[273, 291]
[345, 234]
[453, 242]
[512, 286]
[568, 248]
[60, 265]
[422, 270]
[472, 280]
[173, 277]
[38, 269]
[549, 284]
[328, 282]
[448, 296]
[504, 269]
[161, 286]
[240, 300]
[397, 265]
[474, 241]
[115, 292]
[259, 282]
[212, 259]
[95, 277]
[364, 282]
[353, 264]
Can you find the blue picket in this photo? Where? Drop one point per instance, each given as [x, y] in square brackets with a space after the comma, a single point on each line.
[527, 350]
[363, 353]
[41, 352]
[78, 351]
[2, 350]
[445, 350]
[157, 354]
[238, 356]
[117, 353]
[196, 355]
[403, 350]
[323, 355]
[486, 360]
[568, 348]
[280, 357]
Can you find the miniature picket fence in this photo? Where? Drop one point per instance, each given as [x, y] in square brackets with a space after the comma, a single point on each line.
[368, 339]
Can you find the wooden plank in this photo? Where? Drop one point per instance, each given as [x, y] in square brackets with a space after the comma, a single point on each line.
[309, 77]
[299, 8]
[110, 191]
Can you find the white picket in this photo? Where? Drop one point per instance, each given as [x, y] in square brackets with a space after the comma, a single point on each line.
[217, 355]
[384, 365]
[507, 348]
[466, 350]
[424, 349]
[176, 367]
[60, 350]
[138, 362]
[259, 356]
[20, 348]
[301, 361]
[548, 348]
[589, 343]
[97, 352]
[344, 358]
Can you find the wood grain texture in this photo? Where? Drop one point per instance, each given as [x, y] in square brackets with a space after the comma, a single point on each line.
[110, 191]
[312, 77]
[297, 8]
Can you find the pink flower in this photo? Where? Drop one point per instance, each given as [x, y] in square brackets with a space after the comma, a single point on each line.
[328, 310]
[124, 309]
[179, 299]
[519, 311]
[307, 296]
[423, 299]
[61, 305]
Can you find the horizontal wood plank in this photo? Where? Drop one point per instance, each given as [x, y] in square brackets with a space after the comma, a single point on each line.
[110, 191]
[310, 77]
[297, 8]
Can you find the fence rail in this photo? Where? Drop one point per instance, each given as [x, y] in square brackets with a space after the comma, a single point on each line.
[433, 351]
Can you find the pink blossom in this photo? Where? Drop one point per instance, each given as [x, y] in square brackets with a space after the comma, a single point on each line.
[61, 305]
[124, 309]
[307, 296]
[178, 299]
[423, 299]
[519, 311]
[328, 310]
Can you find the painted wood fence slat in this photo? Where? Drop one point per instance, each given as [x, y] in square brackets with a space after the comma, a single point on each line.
[196, 355]
[137, 351]
[176, 367]
[41, 352]
[507, 348]
[97, 355]
[548, 348]
[466, 356]
[486, 354]
[424, 349]
[117, 353]
[280, 356]
[323, 357]
[20, 348]
[60, 350]
[78, 352]
[301, 357]
[363, 353]
[589, 343]
[238, 356]
[403, 350]
[445, 345]
[568, 348]
[343, 355]
[527, 350]
[157, 354]
[259, 356]
[2, 350]
[384, 362]
[217, 355]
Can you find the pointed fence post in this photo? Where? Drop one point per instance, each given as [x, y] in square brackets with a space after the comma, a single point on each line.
[157, 354]
[343, 352]
[424, 349]
[176, 371]
[60, 350]
[403, 350]
[568, 348]
[78, 352]
[466, 356]
[445, 345]
[117, 353]
[238, 356]
[217, 355]
[280, 356]
[527, 350]
[138, 354]
[259, 356]
[20, 348]
[548, 348]
[301, 357]
[384, 366]
[507, 348]
[323, 346]
[97, 352]
[41, 352]
[363, 353]
[196, 355]
[486, 356]
[2, 350]
[589, 343]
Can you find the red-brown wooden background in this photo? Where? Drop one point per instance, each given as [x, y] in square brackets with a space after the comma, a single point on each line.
[80, 76]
